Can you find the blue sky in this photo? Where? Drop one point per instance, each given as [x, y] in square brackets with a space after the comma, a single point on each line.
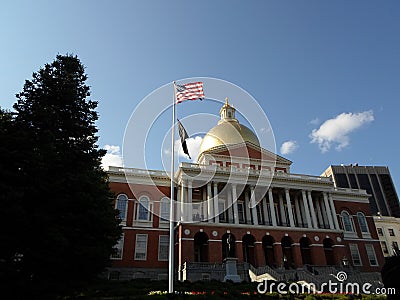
[305, 62]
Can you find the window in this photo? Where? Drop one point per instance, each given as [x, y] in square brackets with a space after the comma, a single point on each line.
[222, 212]
[241, 212]
[143, 209]
[196, 212]
[391, 232]
[122, 204]
[118, 249]
[363, 223]
[164, 209]
[355, 255]
[371, 254]
[347, 222]
[163, 247]
[395, 245]
[380, 231]
[384, 248]
[141, 247]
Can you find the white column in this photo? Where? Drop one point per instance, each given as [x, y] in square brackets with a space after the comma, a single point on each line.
[272, 207]
[324, 210]
[307, 211]
[319, 213]
[183, 201]
[333, 211]
[282, 210]
[178, 202]
[313, 216]
[190, 200]
[204, 206]
[302, 211]
[297, 209]
[216, 208]
[209, 203]
[289, 207]
[253, 205]
[265, 210]
[247, 206]
[229, 205]
[235, 204]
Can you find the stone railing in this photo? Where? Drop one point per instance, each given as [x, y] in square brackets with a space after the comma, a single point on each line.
[251, 171]
[135, 171]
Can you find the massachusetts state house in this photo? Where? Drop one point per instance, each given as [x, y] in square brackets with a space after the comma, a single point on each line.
[240, 201]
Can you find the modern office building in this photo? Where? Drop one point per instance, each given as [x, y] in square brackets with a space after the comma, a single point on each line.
[241, 201]
[376, 180]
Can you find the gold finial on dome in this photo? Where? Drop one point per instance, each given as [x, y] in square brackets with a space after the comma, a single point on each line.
[226, 101]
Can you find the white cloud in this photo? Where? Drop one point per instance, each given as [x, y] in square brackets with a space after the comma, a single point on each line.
[193, 145]
[337, 130]
[289, 147]
[112, 158]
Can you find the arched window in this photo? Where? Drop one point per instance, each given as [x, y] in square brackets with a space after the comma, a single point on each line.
[164, 209]
[287, 259]
[347, 221]
[248, 243]
[328, 250]
[268, 246]
[122, 205]
[143, 213]
[200, 247]
[305, 250]
[363, 222]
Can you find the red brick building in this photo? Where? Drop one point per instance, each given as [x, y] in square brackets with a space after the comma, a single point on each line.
[239, 200]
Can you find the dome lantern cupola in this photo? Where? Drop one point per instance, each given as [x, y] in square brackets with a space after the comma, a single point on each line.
[227, 112]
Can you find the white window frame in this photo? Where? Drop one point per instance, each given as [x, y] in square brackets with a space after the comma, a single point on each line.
[390, 231]
[355, 252]
[166, 244]
[138, 206]
[144, 249]
[122, 214]
[241, 213]
[351, 222]
[120, 249]
[369, 248]
[164, 212]
[361, 218]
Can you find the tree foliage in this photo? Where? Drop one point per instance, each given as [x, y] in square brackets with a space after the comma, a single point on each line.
[69, 224]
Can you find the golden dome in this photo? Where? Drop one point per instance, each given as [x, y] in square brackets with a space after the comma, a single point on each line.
[228, 131]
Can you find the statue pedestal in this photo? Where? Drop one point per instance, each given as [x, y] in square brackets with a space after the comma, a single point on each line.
[231, 270]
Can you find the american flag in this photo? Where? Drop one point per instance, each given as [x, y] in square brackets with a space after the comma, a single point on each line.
[189, 91]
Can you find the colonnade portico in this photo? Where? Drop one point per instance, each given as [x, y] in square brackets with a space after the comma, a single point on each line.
[239, 204]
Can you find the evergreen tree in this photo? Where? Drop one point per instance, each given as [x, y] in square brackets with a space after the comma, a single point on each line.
[71, 224]
[12, 221]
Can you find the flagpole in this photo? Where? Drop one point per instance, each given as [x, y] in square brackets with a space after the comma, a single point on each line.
[171, 208]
